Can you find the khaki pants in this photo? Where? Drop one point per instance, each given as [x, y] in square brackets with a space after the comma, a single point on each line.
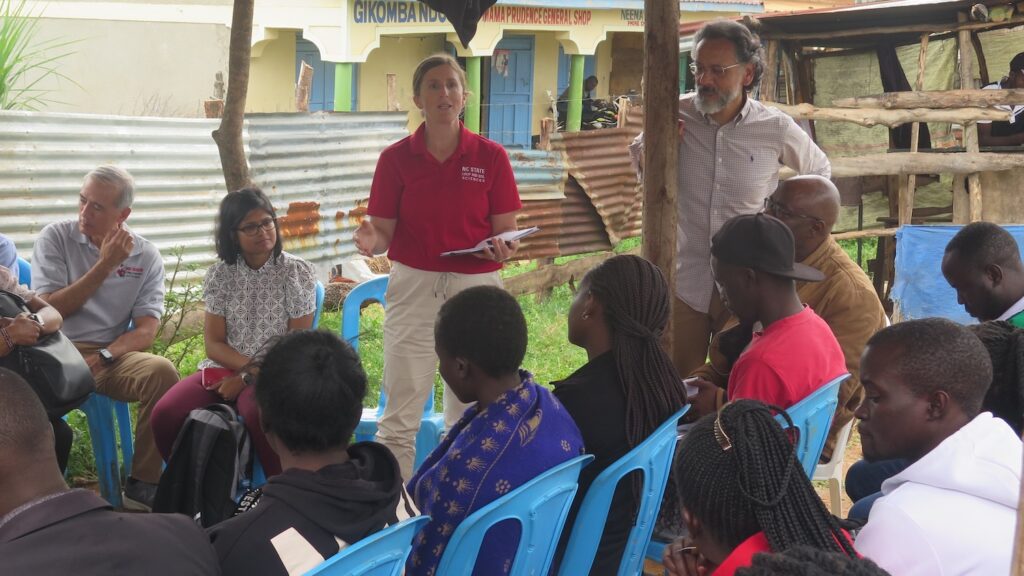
[143, 378]
[414, 298]
[693, 330]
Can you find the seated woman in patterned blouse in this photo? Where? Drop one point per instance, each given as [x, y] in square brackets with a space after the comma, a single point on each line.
[515, 431]
[255, 292]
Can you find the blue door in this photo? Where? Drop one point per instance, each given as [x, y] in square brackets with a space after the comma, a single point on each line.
[321, 96]
[511, 93]
[565, 62]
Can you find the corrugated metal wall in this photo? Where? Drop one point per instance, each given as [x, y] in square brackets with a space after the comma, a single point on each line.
[599, 165]
[317, 169]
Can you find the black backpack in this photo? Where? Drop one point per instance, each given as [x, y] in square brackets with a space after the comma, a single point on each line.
[210, 458]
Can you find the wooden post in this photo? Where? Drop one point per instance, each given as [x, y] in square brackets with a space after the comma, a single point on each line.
[770, 79]
[1017, 564]
[473, 102]
[906, 208]
[574, 108]
[661, 138]
[392, 92]
[547, 126]
[303, 87]
[970, 128]
[343, 86]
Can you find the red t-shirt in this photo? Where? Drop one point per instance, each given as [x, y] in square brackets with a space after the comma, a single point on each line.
[442, 206]
[743, 555]
[784, 364]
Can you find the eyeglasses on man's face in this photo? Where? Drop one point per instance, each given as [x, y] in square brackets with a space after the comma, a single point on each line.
[265, 225]
[773, 207]
[716, 71]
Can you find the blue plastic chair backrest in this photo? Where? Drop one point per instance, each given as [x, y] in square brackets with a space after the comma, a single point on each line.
[653, 457]
[380, 554]
[319, 304]
[24, 272]
[541, 506]
[812, 418]
[369, 290]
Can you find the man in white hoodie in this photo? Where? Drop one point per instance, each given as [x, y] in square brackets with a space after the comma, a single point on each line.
[952, 511]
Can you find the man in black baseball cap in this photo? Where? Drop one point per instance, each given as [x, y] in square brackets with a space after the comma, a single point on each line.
[793, 351]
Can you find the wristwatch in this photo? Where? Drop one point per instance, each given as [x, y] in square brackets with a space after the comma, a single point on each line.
[247, 378]
[106, 356]
[35, 318]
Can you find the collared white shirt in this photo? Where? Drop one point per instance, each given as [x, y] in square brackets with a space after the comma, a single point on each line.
[1012, 311]
[1015, 110]
[725, 171]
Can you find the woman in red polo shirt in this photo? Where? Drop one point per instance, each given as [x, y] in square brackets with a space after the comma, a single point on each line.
[742, 492]
[442, 188]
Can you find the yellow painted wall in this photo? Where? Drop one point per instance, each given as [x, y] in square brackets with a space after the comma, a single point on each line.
[545, 77]
[396, 55]
[134, 68]
[272, 76]
[603, 68]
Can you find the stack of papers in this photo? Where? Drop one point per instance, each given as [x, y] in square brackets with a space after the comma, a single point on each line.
[506, 236]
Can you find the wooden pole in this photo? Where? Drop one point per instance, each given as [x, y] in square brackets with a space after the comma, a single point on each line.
[770, 79]
[883, 117]
[887, 30]
[935, 99]
[392, 92]
[303, 87]
[918, 163]
[228, 135]
[970, 128]
[661, 138]
[906, 206]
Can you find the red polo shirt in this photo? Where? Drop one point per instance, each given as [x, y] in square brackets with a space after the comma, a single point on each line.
[790, 359]
[441, 206]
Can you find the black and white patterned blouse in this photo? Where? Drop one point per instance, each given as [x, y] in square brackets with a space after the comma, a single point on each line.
[257, 304]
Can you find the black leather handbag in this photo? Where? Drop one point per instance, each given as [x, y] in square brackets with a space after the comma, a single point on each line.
[53, 366]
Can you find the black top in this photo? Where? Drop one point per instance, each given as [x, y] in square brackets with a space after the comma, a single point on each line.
[347, 501]
[594, 398]
[76, 532]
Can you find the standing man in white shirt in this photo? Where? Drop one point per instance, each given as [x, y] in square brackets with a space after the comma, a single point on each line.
[100, 275]
[730, 152]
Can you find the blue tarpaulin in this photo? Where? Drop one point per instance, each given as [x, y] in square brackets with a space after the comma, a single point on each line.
[920, 291]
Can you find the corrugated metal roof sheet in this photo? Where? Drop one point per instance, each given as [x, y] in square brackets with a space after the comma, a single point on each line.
[599, 163]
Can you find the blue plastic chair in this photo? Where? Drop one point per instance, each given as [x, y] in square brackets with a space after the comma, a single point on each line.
[812, 418]
[24, 272]
[654, 457]
[100, 411]
[380, 554]
[540, 506]
[319, 304]
[432, 424]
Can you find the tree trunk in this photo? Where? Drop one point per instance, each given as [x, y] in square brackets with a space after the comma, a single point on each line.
[229, 135]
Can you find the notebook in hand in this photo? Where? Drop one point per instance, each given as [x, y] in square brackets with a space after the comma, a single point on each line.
[506, 236]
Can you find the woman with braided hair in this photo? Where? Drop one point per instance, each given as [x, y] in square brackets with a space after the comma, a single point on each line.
[742, 491]
[627, 388]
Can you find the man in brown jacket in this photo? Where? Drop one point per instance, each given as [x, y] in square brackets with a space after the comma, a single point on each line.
[845, 299]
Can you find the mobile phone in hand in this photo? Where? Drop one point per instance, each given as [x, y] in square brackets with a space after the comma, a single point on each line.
[213, 375]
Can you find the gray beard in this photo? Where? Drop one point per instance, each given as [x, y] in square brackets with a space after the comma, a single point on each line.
[716, 103]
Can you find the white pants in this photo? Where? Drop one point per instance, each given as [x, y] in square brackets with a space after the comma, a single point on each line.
[414, 298]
